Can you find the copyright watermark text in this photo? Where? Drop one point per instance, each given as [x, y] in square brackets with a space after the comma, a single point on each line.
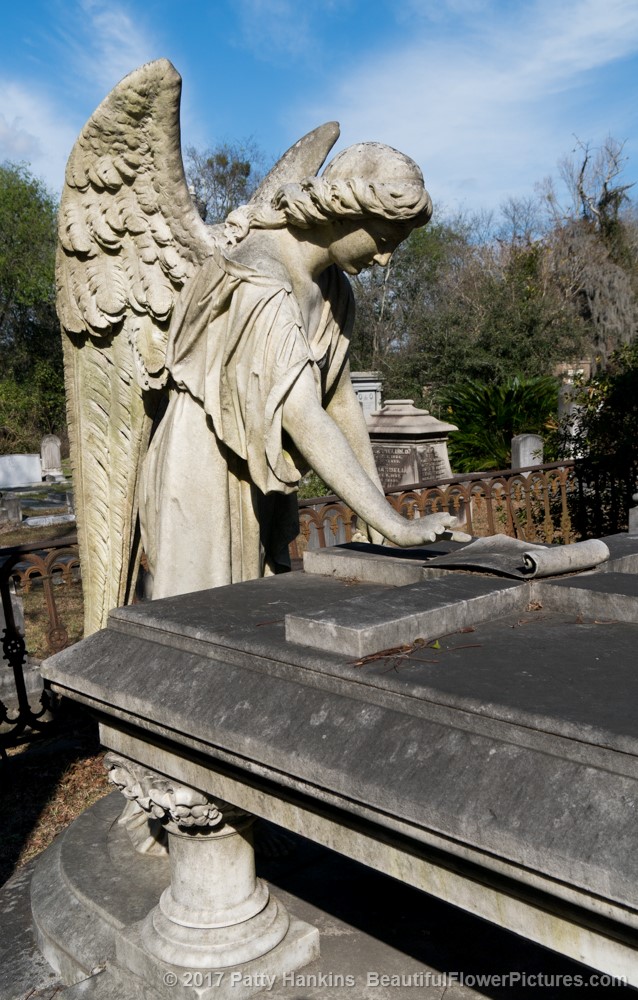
[383, 980]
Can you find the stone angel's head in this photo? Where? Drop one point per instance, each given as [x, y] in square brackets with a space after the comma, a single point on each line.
[368, 199]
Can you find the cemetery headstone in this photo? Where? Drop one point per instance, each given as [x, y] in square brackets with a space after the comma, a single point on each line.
[19, 470]
[409, 444]
[50, 452]
[527, 449]
[10, 510]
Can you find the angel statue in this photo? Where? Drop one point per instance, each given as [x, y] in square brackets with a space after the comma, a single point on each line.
[207, 367]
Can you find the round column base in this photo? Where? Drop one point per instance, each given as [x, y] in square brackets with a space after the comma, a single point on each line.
[202, 947]
[168, 981]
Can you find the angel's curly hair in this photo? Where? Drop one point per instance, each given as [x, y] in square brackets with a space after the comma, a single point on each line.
[365, 180]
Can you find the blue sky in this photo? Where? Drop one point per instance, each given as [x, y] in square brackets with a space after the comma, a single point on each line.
[486, 95]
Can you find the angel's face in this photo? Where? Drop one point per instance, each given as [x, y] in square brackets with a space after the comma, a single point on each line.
[357, 244]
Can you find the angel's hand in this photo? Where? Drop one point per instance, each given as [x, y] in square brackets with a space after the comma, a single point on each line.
[425, 530]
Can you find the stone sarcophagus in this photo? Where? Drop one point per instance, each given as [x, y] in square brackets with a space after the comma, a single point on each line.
[490, 759]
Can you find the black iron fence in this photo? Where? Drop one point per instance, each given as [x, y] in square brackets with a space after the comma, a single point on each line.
[33, 611]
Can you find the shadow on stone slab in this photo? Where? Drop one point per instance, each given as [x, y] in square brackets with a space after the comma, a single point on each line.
[24, 972]
[389, 928]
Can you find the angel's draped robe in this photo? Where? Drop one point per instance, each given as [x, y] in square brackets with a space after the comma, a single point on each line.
[218, 500]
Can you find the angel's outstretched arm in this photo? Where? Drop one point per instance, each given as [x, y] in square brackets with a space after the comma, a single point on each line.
[345, 409]
[328, 451]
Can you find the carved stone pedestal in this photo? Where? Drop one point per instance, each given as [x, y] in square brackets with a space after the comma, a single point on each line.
[216, 930]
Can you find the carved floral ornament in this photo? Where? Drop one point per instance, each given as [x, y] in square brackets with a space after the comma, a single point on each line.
[168, 801]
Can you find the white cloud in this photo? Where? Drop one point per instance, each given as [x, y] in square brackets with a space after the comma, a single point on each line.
[485, 94]
[273, 27]
[16, 143]
[93, 48]
[33, 131]
[484, 110]
[438, 11]
[103, 43]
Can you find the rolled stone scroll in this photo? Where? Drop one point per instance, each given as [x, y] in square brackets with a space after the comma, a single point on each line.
[565, 558]
[512, 557]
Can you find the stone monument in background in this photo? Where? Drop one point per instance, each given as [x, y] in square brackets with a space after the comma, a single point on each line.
[527, 450]
[409, 444]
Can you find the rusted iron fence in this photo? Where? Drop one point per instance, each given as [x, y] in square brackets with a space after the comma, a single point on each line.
[535, 504]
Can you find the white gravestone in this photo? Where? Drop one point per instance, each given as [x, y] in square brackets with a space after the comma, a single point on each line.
[19, 470]
[51, 455]
[527, 449]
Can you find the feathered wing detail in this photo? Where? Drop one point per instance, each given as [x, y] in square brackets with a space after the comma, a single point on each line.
[129, 237]
[108, 431]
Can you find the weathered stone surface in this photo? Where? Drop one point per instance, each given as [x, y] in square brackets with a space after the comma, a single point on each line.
[93, 860]
[413, 758]
[425, 939]
[363, 625]
[23, 968]
[623, 554]
[609, 596]
[92, 889]
[513, 557]
[377, 564]
[134, 967]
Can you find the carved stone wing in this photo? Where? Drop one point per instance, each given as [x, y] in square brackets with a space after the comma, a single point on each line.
[129, 236]
[304, 159]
